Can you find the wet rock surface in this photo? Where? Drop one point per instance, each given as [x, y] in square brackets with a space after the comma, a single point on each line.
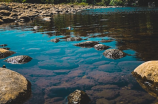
[101, 47]
[56, 40]
[21, 59]
[14, 88]
[114, 54]
[78, 97]
[87, 44]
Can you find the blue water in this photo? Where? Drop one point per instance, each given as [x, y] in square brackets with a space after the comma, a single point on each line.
[57, 69]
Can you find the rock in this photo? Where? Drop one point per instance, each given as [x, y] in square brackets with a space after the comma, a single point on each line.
[48, 19]
[101, 47]
[74, 39]
[5, 12]
[7, 19]
[3, 45]
[14, 88]
[22, 59]
[105, 41]
[5, 53]
[36, 27]
[24, 17]
[1, 21]
[3, 66]
[114, 54]
[148, 86]
[55, 40]
[86, 44]
[148, 70]
[4, 7]
[78, 97]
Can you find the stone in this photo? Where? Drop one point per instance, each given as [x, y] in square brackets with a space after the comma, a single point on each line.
[78, 97]
[101, 47]
[48, 19]
[4, 7]
[24, 17]
[14, 87]
[5, 12]
[114, 54]
[7, 19]
[74, 39]
[148, 70]
[21, 59]
[86, 44]
[55, 40]
[5, 53]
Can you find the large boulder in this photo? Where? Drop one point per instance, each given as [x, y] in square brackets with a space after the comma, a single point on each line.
[114, 54]
[73, 39]
[87, 44]
[21, 59]
[14, 88]
[5, 53]
[148, 70]
[78, 97]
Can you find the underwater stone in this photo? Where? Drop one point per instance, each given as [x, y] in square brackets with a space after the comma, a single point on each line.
[78, 97]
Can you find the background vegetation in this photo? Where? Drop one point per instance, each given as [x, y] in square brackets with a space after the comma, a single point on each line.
[90, 2]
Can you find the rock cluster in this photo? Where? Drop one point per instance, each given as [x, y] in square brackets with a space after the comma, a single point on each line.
[24, 12]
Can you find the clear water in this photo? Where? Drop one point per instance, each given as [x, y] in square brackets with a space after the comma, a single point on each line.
[57, 69]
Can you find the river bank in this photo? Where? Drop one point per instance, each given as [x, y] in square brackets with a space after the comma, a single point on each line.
[24, 12]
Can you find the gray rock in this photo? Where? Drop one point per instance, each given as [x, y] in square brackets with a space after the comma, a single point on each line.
[78, 97]
[5, 12]
[114, 54]
[86, 44]
[101, 47]
[4, 7]
[14, 88]
[74, 39]
[55, 40]
[22, 59]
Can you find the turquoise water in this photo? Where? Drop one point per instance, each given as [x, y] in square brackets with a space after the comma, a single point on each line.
[57, 69]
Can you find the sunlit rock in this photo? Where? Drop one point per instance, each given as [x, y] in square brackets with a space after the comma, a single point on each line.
[114, 54]
[86, 44]
[14, 87]
[101, 47]
[5, 53]
[48, 19]
[4, 7]
[5, 12]
[78, 97]
[55, 40]
[148, 70]
[21, 59]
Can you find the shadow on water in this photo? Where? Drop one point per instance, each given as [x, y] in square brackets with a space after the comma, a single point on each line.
[59, 68]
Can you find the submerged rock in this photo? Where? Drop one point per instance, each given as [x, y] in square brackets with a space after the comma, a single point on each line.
[22, 59]
[101, 47]
[148, 70]
[86, 44]
[114, 54]
[14, 88]
[78, 97]
[5, 53]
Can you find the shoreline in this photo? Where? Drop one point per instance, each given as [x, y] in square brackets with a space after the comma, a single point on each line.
[25, 12]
